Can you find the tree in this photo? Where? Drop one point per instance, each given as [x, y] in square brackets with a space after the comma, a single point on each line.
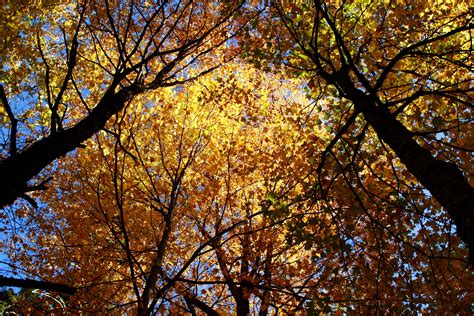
[52, 57]
[401, 70]
[244, 190]
[202, 205]
[54, 101]
[154, 212]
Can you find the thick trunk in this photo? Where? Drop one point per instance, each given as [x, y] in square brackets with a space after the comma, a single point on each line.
[243, 307]
[142, 309]
[444, 180]
[17, 170]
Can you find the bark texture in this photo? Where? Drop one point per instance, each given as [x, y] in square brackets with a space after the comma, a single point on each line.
[444, 180]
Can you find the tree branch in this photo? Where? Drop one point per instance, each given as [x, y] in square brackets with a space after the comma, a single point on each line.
[13, 121]
[35, 284]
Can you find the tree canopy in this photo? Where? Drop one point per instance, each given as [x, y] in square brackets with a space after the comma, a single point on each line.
[224, 157]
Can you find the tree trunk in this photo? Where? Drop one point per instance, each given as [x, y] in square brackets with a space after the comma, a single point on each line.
[444, 180]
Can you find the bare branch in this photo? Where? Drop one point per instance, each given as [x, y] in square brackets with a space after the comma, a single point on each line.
[13, 121]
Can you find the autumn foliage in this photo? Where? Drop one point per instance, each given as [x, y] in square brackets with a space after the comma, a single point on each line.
[223, 157]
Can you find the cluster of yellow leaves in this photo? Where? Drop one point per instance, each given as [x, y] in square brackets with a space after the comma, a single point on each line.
[209, 154]
[216, 180]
